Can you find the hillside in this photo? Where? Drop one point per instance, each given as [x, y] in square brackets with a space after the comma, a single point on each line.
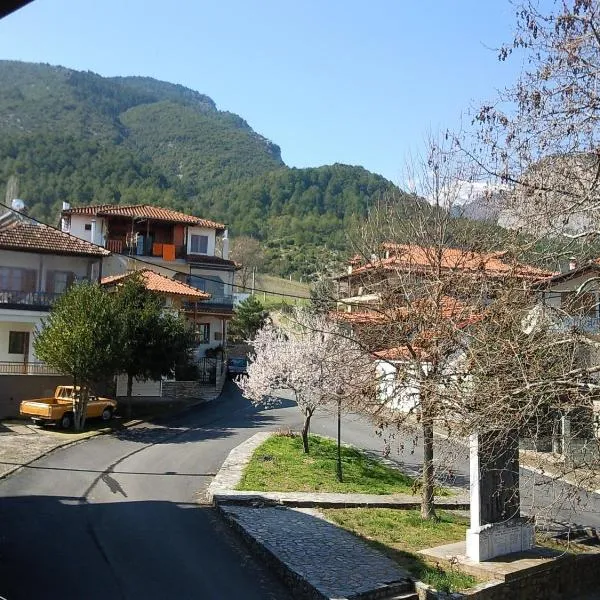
[77, 136]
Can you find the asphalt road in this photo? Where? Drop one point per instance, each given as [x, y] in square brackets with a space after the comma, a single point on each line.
[118, 516]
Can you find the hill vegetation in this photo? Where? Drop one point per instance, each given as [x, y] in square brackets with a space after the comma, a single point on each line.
[77, 136]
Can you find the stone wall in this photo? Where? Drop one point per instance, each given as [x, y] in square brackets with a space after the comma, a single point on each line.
[180, 390]
[561, 579]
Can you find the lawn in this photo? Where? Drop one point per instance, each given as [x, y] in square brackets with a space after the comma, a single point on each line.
[401, 533]
[279, 465]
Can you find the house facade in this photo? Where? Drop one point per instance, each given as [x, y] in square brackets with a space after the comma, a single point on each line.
[37, 265]
[189, 249]
[175, 295]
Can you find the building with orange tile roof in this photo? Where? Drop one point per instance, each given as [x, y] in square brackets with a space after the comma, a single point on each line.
[37, 265]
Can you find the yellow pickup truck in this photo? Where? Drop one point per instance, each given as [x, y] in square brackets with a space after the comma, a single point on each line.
[59, 408]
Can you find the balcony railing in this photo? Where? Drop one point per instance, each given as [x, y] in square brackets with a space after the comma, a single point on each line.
[582, 323]
[19, 299]
[26, 368]
[214, 302]
[157, 250]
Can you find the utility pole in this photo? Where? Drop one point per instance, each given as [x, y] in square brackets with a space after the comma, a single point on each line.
[253, 279]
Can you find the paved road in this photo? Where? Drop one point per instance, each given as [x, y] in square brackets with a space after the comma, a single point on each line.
[117, 516]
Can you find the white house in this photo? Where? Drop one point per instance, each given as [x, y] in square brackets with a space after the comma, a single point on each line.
[179, 246]
[37, 265]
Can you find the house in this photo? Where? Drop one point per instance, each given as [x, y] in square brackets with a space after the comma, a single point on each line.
[362, 286]
[179, 246]
[388, 301]
[176, 296]
[37, 265]
[572, 298]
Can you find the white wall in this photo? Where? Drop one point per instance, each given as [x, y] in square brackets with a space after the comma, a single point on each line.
[398, 396]
[210, 233]
[215, 326]
[139, 388]
[78, 223]
[6, 327]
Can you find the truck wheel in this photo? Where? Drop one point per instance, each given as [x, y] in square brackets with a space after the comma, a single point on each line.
[107, 414]
[66, 422]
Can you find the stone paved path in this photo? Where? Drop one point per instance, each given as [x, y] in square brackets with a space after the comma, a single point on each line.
[335, 562]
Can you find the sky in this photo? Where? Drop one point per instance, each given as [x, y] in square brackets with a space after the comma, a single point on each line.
[345, 81]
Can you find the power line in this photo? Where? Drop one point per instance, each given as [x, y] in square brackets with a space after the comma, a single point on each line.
[150, 263]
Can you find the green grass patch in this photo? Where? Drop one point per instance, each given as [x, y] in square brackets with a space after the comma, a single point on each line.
[279, 465]
[401, 533]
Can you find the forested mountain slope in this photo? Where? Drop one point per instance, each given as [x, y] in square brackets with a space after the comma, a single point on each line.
[77, 136]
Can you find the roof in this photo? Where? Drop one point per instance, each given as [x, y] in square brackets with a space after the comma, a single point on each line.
[592, 265]
[143, 211]
[421, 258]
[205, 259]
[23, 235]
[160, 284]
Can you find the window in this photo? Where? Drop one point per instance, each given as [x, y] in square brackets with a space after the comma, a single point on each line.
[218, 336]
[17, 280]
[203, 333]
[18, 342]
[88, 226]
[199, 244]
[57, 282]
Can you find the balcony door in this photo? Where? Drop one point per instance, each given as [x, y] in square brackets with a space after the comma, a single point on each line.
[16, 284]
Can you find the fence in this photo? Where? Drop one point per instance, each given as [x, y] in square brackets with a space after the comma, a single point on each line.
[26, 368]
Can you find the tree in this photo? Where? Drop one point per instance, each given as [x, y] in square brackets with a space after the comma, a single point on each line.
[311, 357]
[539, 139]
[81, 338]
[248, 318]
[429, 279]
[152, 340]
[248, 253]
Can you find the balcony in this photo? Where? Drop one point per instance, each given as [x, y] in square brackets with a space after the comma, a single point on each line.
[143, 247]
[27, 300]
[26, 368]
[214, 304]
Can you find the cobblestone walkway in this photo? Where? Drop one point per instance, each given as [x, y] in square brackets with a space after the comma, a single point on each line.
[336, 563]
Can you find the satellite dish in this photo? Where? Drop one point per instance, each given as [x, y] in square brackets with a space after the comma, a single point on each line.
[18, 205]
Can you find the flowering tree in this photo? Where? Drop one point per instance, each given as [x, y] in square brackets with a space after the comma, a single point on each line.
[313, 358]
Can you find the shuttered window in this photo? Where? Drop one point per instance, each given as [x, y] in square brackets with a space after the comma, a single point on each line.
[13, 279]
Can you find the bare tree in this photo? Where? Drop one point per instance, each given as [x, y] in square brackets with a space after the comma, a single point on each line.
[428, 279]
[541, 135]
[248, 253]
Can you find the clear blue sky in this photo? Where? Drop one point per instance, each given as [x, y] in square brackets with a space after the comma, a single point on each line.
[330, 81]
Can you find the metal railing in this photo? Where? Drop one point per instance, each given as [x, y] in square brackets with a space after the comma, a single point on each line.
[32, 299]
[225, 302]
[583, 323]
[26, 368]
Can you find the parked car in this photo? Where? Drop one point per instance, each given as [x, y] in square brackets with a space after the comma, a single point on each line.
[59, 408]
[237, 367]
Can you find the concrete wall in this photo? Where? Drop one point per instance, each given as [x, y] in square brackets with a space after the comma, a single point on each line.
[145, 389]
[14, 388]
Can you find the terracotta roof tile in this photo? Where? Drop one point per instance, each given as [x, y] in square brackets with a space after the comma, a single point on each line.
[160, 284]
[21, 234]
[143, 211]
[405, 257]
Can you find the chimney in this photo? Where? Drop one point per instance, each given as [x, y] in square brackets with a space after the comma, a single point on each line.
[93, 232]
[572, 263]
[66, 205]
[225, 253]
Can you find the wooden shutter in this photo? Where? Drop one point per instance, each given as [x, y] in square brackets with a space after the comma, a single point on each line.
[29, 280]
[50, 282]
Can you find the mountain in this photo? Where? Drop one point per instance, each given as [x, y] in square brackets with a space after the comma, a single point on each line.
[77, 136]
